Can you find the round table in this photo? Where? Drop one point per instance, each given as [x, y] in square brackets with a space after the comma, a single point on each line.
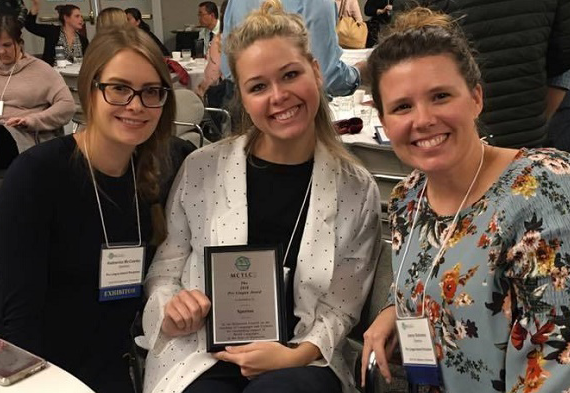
[52, 379]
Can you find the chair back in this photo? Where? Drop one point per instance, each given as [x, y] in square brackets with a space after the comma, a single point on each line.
[189, 114]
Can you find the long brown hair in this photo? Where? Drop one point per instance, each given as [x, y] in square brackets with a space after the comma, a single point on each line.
[272, 21]
[152, 156]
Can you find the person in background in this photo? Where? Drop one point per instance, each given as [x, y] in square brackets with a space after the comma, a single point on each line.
[35, 103]
[212, 72]
[65, 35]
[479, 233]
[209, 21]
[288, 180]
[559, 124]
[111, 17]
[70, 196]
[520, 44]
[352, 9]
[134, 17]
[15, 8]
[320, 17]
[380, 12]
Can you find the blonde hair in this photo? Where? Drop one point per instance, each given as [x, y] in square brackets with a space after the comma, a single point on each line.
[271, 21]
[421, 32]
[153, 154]
[111, 17]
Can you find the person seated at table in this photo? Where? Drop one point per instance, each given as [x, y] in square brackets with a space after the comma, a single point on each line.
[479, 233]
[212, 72]
[111, 17]
[66, 34]
[62, 200]
[286, 180]
[134, 17]
[35, 103]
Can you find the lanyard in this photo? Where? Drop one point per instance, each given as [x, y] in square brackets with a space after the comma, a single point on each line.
[298, 219]
[442, 249]
[99, 201]
[8, 82]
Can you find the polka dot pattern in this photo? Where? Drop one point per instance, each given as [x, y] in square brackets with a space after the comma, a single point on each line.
[208, 206]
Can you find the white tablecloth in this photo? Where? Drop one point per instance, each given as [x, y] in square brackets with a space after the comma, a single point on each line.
[369, 116]
[50, 380]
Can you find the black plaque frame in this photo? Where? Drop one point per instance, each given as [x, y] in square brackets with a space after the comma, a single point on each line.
[279, 290]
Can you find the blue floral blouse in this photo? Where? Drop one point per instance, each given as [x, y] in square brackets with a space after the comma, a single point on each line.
[499, 298]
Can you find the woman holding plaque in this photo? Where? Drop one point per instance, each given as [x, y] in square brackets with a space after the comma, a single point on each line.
[286, 180]
[479, 233]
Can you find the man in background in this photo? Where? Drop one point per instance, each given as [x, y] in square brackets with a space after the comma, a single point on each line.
[520, 44]
[208, 20]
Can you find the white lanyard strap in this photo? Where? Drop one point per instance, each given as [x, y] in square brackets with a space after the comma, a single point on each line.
[298, 219]
[99, 200]
[442, 249]
[8, 82]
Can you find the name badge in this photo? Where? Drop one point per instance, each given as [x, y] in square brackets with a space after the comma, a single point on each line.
[1, 107]
[121, 272]
[418, 355]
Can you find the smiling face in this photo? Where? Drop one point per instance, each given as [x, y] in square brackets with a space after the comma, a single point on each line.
[9, 50]
[132, 124]
[279, 89]
[429, 113]
[74, 20]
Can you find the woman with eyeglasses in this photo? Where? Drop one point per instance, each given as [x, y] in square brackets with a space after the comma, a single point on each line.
[80, 215]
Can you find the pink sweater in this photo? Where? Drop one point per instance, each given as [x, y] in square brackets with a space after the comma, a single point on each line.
[37, 92]
[352, 9]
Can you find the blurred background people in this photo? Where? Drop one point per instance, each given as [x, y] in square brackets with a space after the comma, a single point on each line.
[519, 44]
[559, 124]
[352, 9]
[208, 18]
[15, 8]
[65, 35]
[340, 79]
[134, 17]
[212, 72]
[479, 232]
[111, 17]
[104, 185]
[380, 12]
[35, 103]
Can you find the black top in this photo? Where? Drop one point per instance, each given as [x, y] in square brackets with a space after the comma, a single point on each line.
[50, 244]
[372, 6]
[275, 195]
[50, 33]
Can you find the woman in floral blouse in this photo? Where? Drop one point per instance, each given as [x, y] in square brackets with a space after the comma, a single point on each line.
[481, 234]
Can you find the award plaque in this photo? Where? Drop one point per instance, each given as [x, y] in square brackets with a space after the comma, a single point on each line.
[245, 286]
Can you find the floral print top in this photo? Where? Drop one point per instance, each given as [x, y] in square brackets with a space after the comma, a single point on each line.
[499, 298]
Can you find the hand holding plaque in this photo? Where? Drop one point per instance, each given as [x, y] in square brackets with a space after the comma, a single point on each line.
[245, 286]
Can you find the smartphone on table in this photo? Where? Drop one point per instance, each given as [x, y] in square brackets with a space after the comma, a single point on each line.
[17, 363]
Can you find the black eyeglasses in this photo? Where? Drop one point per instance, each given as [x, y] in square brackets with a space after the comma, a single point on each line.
[121, 95]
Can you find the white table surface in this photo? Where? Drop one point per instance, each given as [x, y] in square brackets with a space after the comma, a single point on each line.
[369, 116]
[52, 379]
[195, 69]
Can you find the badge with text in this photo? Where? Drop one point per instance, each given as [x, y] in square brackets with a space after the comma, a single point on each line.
[245, 286]
[121, 272]
[418, 355]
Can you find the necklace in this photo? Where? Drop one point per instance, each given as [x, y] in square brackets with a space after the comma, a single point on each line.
[442, 249]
